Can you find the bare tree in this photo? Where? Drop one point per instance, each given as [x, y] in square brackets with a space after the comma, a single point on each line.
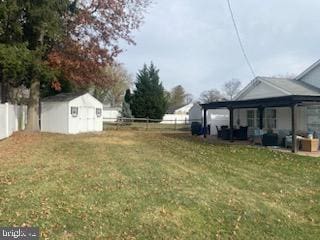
[188, 98]
[178, 97]
[121, 81]
[231, 88]
[212, 95]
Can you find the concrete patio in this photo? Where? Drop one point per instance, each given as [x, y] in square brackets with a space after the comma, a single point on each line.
[216, 140]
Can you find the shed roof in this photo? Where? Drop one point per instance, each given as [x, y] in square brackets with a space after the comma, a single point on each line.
[63, 97]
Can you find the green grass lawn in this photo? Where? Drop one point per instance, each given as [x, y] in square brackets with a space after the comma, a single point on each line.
[152, 185]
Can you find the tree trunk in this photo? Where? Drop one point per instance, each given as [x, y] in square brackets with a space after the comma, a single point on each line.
[4, 88]
[33, 106]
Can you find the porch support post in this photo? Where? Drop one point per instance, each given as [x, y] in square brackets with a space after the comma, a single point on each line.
[261, 116]
[205, 122]
[293, 128]
[231, 123]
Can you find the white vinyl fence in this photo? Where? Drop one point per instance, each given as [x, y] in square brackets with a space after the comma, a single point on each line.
[175, 118]
[12, 118]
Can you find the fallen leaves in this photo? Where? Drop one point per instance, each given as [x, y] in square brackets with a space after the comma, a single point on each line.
[167, 186]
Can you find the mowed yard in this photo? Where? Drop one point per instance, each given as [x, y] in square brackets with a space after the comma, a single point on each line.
[152, 185]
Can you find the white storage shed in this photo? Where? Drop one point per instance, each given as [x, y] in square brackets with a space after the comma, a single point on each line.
[71, 113]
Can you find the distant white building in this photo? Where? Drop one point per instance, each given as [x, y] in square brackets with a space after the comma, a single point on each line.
[194, 113]
[111, 114]
[179, 116]
[184, 110]
[215, 118]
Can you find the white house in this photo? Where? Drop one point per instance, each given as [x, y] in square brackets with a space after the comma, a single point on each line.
[306, 84]
[284, 105]
[71, 113]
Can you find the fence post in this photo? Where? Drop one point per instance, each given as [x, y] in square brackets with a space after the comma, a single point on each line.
[175, 124]
[117, 126]
[147, 123]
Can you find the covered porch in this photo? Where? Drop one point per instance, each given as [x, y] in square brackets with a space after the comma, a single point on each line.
[292, 102]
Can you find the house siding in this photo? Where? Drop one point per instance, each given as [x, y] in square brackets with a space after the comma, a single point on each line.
[262, 90]
[54, 117]
[313, 77]
[283, 118]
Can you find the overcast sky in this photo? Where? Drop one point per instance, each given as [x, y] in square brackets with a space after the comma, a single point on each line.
[193, 43]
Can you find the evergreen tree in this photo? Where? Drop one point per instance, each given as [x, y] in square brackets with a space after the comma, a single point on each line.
[127, 96]
[126, 111]
[11, 47]
[149, 100]
[14, 64]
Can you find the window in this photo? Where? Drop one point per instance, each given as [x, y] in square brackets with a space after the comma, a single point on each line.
[313, 118]
[251, 118]
[74, 111]
[270, 120]
[98, 112]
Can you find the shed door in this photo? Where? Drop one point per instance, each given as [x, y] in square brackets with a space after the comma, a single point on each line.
[91, 115]
[83, 126]
[87, 118]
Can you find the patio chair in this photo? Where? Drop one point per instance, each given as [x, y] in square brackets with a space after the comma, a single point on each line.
[242, 133]
[256, 136]
[225, 133]
[282, 134]
[270, 139]
[288, 142]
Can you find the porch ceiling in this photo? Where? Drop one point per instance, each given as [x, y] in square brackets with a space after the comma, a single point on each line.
[284, 101]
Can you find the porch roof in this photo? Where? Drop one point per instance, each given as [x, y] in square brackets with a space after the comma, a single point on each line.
[283, 101]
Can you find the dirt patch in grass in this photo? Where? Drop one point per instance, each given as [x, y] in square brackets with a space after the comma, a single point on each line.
[114, 140]
[110, 137]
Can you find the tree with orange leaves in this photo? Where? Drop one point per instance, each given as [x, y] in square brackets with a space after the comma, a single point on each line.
[93, 30]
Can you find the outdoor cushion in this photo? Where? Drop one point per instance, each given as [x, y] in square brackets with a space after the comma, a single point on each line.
[225, 134]
[270, 139]
[288, 141]
[282, 135]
